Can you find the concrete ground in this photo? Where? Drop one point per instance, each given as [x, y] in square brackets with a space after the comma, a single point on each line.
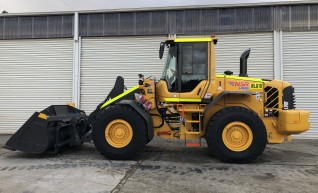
[165, 166]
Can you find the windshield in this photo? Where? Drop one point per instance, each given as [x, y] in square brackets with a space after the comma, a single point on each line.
[169, 72]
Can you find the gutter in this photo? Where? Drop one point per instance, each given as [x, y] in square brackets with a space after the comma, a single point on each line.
[298, 2]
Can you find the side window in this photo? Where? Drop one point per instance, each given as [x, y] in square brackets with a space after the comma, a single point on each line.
[170, 71]
[193, 60]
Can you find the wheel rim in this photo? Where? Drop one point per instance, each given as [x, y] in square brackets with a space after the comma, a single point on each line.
[237, 136]
[118, 133]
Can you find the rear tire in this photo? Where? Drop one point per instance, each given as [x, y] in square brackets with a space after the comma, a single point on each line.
[123, 143]
[236, 134]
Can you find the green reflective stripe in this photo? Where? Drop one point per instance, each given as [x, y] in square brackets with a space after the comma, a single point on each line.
[176, 100]
[220, 75]
[239, 78]
[120, 96]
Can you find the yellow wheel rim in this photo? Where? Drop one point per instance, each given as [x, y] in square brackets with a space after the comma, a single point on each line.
[237, 136]
[118, 133]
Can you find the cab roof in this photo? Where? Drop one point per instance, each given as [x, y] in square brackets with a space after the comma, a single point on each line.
[204, 39]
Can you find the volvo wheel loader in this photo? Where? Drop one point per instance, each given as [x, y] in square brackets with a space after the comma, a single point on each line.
[237, 115]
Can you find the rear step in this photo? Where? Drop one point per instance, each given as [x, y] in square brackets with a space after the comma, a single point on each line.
[191, 144]
[192, 125]
[192, 139]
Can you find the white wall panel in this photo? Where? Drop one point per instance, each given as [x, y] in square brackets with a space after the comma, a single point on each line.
[103, 59]
[261, 61]
[300, 67]
[33, 75]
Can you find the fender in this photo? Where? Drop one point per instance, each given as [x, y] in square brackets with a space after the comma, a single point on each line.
[212, 103]
[145, 115]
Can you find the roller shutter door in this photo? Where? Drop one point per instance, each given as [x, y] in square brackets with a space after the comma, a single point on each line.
[34, 74]
[261, 61]
[103, 59]
[300, 67]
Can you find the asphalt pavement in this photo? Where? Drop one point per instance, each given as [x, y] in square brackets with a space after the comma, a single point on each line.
[164, 166]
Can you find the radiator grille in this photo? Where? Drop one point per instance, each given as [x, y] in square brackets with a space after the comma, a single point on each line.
[289, 101]
[272, 97]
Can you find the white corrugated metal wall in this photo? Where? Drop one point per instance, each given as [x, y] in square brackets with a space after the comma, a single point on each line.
[103, 59]
[34, 74]
[300, 67]
[42, 74]
[261, 60]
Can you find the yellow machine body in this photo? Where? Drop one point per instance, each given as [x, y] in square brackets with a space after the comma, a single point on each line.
[264, 97]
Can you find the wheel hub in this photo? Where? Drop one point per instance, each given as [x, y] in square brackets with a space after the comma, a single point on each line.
[237, 136]
[118, 133]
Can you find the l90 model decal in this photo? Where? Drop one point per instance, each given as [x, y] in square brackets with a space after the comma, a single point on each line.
[256, 86]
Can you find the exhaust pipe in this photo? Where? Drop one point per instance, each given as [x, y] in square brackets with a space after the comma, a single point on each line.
[243, 62]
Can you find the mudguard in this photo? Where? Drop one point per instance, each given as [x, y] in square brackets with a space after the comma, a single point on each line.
[206, 116]
[143, 113]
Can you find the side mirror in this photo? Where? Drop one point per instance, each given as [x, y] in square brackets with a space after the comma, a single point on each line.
[162, 49]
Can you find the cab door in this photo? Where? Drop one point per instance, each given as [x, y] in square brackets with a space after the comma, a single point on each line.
[193, 73]
[167, 88]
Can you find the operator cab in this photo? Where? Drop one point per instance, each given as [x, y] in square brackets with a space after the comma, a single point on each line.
[186, 72]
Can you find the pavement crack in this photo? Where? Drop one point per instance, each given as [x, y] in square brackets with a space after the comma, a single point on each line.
[133, 169]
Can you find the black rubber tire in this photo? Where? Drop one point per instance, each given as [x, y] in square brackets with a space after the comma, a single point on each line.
[139, 139]
[230, 114]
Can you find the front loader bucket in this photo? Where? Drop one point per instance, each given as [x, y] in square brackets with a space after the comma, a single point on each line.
[32, 137]
[53, 128]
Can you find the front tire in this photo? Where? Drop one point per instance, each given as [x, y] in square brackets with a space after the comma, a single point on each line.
[119, 133]
[236, 134]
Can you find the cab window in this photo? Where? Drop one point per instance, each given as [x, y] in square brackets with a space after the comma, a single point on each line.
[193, 60]
[170, 71]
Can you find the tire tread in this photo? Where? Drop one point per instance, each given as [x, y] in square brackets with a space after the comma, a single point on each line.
[211, 143]
[143, 130]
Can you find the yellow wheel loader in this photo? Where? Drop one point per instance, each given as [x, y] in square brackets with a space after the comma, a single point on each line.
[237, 115]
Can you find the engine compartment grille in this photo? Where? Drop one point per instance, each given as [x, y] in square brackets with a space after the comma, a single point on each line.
[272, 95]
[289, 101]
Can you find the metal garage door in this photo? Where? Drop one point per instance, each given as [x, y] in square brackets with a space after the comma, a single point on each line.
[300, 67]
[103, 59]
[33, 75]
[261, 60]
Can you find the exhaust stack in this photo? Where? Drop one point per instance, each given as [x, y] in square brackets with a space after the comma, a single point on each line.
[243, 62]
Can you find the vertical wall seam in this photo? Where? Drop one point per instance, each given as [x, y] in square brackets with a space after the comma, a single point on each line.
[281, 55]
[278, 55]
[309, 18]
[76, 63]
[79, 55]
